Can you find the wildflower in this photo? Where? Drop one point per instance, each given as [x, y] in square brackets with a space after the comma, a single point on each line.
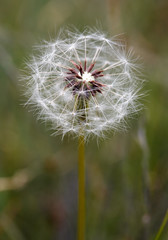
[83, 81]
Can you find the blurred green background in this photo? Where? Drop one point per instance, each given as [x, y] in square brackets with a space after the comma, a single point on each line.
[127, 174]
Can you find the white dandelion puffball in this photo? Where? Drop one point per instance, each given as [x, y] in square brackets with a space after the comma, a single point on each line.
[83, 82]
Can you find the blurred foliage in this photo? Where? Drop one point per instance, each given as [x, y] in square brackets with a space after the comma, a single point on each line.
[127, 174]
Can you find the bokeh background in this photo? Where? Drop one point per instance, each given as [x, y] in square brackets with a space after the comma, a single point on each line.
[127, 174]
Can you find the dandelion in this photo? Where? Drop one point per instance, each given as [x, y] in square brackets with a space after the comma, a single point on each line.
[83, 81]
[84, 84]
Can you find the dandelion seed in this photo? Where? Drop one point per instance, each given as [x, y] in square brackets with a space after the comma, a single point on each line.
[83, 80]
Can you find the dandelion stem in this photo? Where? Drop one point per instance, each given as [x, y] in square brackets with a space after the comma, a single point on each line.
[81, 189]
[165, 220]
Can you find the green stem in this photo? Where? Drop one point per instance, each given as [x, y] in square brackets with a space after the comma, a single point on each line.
[81, 189]
[165, 220]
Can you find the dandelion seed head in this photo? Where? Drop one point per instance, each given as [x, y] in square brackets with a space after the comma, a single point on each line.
[83, 81]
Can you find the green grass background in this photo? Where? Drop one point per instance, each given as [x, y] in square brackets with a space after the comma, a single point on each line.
[127, 174]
